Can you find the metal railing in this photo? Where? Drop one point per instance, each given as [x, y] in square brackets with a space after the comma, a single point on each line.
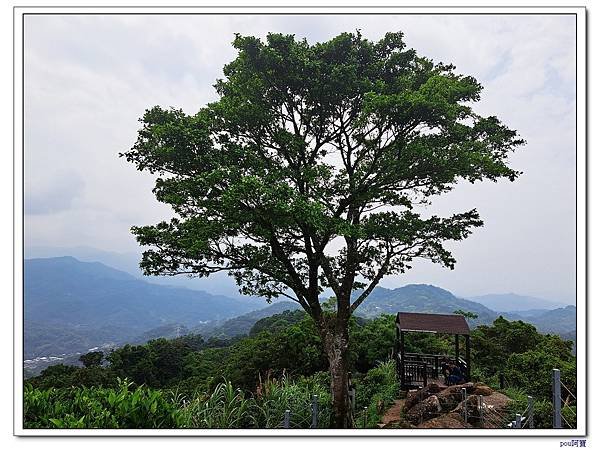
[525, 419]
[561, 404]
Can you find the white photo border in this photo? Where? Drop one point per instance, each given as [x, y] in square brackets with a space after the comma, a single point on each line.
[19, 13]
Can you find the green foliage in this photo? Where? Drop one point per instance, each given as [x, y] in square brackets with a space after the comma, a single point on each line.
[157, 363]
[142, 407]
[524, 356]
[226, 407]
[466, 314]
[297, 349]
[58, 375]
[92, 359]
[376, 390]
[429, 343]
[277, 322]
[95, 407]
[542, 408]
[252, 381]
[275, 396]
[492, 345]
[532, 371]
[372, 342]
[256, 164]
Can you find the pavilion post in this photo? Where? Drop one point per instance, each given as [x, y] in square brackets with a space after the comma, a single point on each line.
[456, 352]
[402, 370]
[468, 355]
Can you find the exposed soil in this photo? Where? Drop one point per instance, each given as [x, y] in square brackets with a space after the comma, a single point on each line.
[394, 414]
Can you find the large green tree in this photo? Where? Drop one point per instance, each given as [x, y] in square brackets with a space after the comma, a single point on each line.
[303, 175]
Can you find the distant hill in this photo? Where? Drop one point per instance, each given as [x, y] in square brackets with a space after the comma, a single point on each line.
[241, 325]
[216, 284]
[421, 298]
[514, 302]
[413, 297]
[560, 320]
[69, 304]
[168, 331]
[72, 306]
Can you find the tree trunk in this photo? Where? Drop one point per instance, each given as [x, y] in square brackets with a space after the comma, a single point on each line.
[336, 347]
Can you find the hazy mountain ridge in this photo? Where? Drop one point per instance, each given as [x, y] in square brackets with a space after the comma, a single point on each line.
[421, 298]
[514, 303]
[559, 320]
[241, 325]
[63, 296]
[217, 284]
[72, 306]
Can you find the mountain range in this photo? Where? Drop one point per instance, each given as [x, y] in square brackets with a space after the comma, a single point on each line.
[72, 306]
[515, 303]
[216, 284]
[421, 298]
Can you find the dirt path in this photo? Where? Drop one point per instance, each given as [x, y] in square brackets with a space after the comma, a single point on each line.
[393, 414]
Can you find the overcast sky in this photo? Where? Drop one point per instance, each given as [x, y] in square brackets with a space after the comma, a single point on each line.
[89, 78]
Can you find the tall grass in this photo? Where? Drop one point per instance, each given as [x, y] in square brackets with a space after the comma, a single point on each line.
[142, 407]
[273, 397]
[225, 407]
[376, 391]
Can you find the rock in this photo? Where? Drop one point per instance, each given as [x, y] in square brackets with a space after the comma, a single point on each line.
[482, 389]
[450, 397]
[425, 410]
[472, 406]
[450, 420]
[415, 397]
[436, 407]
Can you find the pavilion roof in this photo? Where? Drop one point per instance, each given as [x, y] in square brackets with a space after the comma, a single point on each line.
[432, 323]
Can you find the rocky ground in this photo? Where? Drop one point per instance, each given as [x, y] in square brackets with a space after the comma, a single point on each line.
[439, 406]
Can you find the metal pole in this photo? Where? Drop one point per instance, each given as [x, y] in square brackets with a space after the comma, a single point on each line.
[501, 380]
[365, 417]
[518, 421]
[315, 412]
[530, 410]
[468, 356]
[464, 397]
[286, 419]
[481, 411]
[556, 399]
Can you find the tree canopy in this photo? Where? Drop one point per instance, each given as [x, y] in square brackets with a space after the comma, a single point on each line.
[309, 143]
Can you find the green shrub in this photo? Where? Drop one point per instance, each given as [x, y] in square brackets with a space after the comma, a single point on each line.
[376, 390]
[542, 409]
[98, 408]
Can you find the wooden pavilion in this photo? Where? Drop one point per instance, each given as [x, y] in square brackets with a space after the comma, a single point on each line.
[415, 369]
